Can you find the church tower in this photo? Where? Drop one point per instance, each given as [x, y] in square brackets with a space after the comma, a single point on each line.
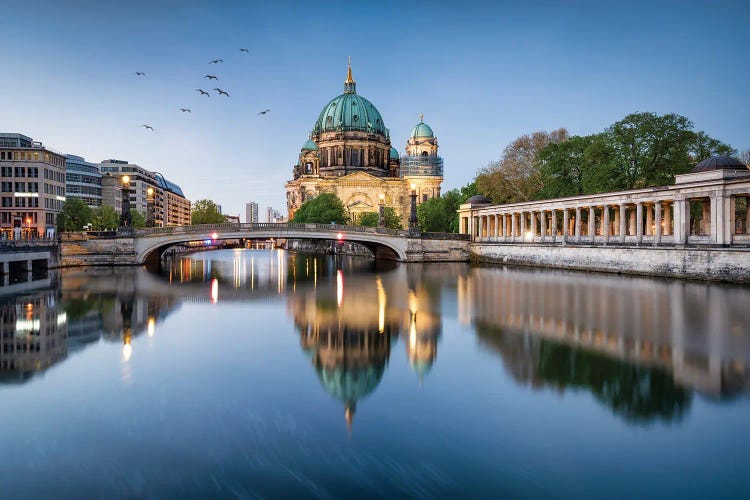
[422, 168]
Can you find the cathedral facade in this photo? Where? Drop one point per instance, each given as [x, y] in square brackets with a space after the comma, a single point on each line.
[349, 154]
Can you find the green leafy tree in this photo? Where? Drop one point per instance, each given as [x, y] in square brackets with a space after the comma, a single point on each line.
[516, 176]
[75, 214]
[206, 212]
[139, 220]
[105, 218]
[391, 219]
[368, 219]
[440, 215]
[325, 208]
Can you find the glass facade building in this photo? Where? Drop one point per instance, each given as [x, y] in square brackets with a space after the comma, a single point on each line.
[83, 180]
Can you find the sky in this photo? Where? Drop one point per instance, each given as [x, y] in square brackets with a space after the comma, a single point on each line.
[483, 74]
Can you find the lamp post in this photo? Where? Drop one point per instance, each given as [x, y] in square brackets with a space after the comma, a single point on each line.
[126, 220]
[150, 207]
[28, 225]
[413, 223]
[381, 210]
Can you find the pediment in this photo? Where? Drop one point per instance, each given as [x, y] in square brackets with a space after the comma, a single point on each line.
[360, 177]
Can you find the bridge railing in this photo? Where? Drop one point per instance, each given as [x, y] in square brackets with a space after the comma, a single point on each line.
[207, 229]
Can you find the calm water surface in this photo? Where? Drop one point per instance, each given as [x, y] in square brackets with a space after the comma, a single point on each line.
[264, 374]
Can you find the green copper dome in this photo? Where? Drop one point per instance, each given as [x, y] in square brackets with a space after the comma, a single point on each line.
[350, 111]
[394, 153]
[422, 130]
[310, 145]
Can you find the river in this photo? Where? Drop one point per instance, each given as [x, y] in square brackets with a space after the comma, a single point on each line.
[249, 373]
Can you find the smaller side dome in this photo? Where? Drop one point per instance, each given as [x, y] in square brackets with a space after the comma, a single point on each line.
[422, 130]
[719, 162]
[310, 145]
[394, 154]
[478, 199]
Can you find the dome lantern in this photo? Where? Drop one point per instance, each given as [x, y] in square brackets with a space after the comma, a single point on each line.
[350, 86]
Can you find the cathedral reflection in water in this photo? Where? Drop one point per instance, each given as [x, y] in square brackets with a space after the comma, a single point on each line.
[639, 346]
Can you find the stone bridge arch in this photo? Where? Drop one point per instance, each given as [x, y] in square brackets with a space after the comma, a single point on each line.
[387, 244]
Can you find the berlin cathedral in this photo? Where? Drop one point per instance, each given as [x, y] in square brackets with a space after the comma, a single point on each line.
[349, 154]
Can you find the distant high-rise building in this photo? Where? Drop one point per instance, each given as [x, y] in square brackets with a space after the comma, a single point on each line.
[251, 212]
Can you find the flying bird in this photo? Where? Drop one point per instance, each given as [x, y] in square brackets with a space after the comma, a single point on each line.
[211, 77]
[244, 50]
[140, 73]
[148, 127]
[221, 92]
[203, 92]
[185, 110]
[264, 112]
[215, 61]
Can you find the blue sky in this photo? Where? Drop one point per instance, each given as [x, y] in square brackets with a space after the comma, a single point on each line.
[482, 74]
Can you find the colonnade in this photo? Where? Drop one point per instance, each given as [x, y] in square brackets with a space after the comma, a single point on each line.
[717, 217]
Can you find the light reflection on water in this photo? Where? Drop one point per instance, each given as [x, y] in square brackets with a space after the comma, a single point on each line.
[427, 367]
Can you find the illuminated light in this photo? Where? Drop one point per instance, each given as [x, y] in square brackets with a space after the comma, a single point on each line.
[60, 198]
[528, 236]
[127, 351]
[151, 327]
[27, 325]
[381, 304]
[26, 195]
[125, 179]
[412, 302]
[150, 191]
[382, 197]
[29, 306]
[339, 287]
[413, 333]
[340, 236]
[413, 186]
[214, 236]
[214, 291]
[62, 318]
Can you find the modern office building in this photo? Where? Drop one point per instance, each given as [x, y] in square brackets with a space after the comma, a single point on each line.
[83, 180]
[274, 215]
[171, 208]
[32, 187]
[251, 212]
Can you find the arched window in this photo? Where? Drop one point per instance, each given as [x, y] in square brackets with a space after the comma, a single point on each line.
[424, 154]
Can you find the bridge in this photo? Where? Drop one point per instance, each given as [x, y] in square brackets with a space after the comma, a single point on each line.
[143, 246]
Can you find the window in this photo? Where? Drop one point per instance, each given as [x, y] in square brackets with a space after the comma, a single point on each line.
[20, 172]
[20, 187]
[7, 187]
[20, 202]
[7, 202]
[36, 156]
[33, 172]
[7, 171]
[33, 187]
[424, 197]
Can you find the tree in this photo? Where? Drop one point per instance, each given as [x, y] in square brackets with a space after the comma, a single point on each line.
[368, 219]
[745, 157]
[139, 220]
[105, 218]
[325, 208]
[206, 212]
[440, 215]
[516, 176]
[75, 214]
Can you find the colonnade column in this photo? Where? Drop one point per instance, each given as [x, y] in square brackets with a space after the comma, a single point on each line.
[616, 223]
[533, 225]
[639, 222]
[657, 222]
[578, 224]
[513, 227]
[566, 225]
[667, 219]
[623, 213]
[554, 225]
[681, 221]
[592, 223]
[649, 220]
[605, 223]
[505, 226]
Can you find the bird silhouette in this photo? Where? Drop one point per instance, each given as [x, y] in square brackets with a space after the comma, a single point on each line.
[221, 92]
[215, 61]
[148, 127]
[264, 112]
[244, 50]
[203, 92]
[140, 73]
[185, 110]
[211, 77]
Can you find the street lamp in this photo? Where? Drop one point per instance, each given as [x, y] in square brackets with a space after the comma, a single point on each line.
[413, 224]
[126, 220]
[150, 207]
[381, 210]
[28, 224]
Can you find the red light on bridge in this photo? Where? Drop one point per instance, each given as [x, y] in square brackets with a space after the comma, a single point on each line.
[214, 236]
[340, 237]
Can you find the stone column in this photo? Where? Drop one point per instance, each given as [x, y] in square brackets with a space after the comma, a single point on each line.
[706, 218]
[681, 221]
[667, 219]
[605, 223]
[578, 224]
[623, 216]
[513, 225]
[566, 225]
[649, 220]
[592, 223]
[639, 222]
[616, 222]
[505, 226]
[554, 225]
[631, 222]
[657, 222]
[533, 225]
